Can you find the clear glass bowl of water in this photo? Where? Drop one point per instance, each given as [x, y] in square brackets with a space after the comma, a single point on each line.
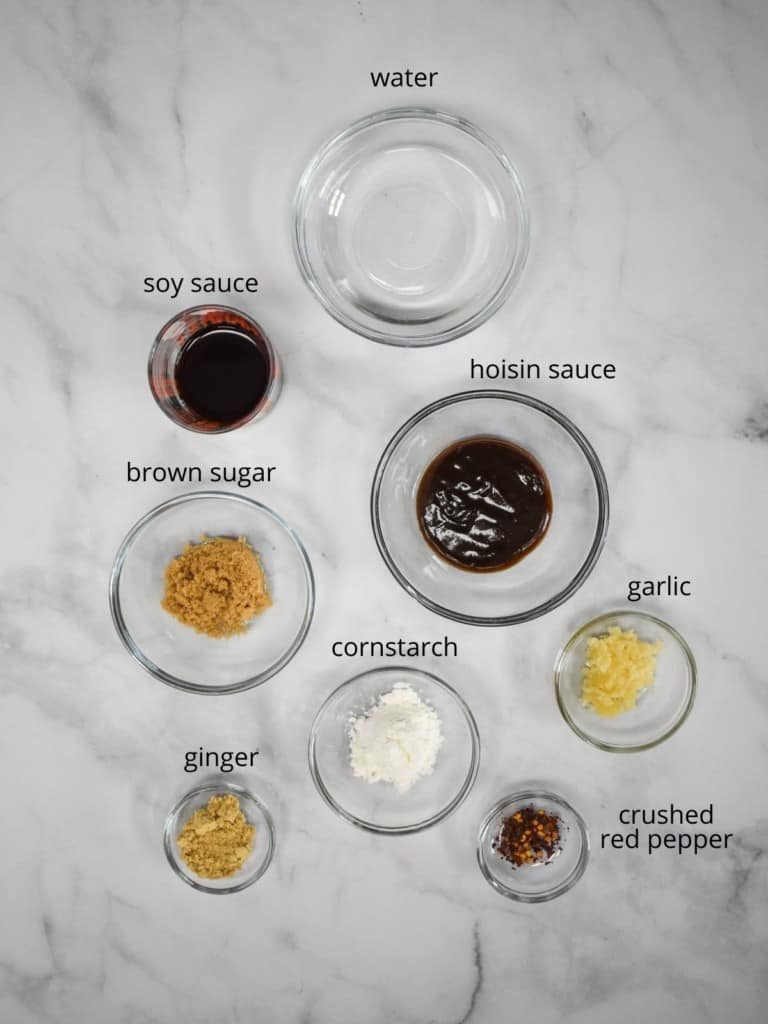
[410, 226]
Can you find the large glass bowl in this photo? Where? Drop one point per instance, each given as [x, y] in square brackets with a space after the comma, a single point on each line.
[410, 226]
[256, 814]
[661, 708]
[175, 653]
[378, 806]
[534, 883]
[545, 577]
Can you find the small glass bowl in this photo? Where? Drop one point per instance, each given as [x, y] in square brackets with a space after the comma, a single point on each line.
[661, 708]
[175, 653]
[410, 227]
[379, 807]
[166, 351]
[543, 579]
[534, 883]
[256, 814]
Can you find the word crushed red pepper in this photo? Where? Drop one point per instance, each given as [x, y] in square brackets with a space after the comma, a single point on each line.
[529, 836]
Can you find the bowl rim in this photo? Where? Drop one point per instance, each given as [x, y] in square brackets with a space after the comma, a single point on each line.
[602, 620]
[135, 651]
[443, 813]
[215, 788]
[514, 272]
[598, 476]
[568, 882]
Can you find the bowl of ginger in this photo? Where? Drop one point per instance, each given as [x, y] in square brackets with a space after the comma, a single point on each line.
[219, 838]
[625, 681]
[212, 592]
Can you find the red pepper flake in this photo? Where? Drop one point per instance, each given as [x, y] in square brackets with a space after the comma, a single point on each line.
[529, 836]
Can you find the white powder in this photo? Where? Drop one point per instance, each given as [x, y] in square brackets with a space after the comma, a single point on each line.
[397, 740]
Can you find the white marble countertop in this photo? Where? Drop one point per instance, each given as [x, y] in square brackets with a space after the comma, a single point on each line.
[166, 138]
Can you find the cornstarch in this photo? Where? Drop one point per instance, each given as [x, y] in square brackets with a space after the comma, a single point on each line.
[396, 740]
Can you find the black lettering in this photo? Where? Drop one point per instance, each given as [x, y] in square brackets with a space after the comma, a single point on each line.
[226, 761]
[194, 285]
[252, 285]
[475, 368]
[190, 761]
[581, 371]
[185, 474]
[634, 590]
[408, 78]
[622, 819]
[334, 652]
[676, 816]
[149, 284]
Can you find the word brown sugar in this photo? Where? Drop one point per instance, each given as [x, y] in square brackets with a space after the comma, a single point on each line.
[217, 840]
[216, 586]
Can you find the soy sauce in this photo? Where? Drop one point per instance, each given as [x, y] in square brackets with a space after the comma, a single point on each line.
[483, 504]
[222, 374]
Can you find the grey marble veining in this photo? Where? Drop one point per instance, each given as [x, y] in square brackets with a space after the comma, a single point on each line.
[166, 139]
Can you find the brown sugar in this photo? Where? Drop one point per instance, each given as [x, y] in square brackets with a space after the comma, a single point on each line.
[216, 586]
[216, 840]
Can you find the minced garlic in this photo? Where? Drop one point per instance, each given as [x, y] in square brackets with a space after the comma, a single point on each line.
[617, 668]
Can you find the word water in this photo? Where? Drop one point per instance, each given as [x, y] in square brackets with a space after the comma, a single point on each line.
[407, 78]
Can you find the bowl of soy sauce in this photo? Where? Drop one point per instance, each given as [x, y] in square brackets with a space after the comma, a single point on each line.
[212, 369]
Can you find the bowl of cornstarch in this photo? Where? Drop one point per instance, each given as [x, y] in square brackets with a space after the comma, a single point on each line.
[394, 750]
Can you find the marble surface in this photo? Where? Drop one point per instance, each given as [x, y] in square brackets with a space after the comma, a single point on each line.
[157, 138]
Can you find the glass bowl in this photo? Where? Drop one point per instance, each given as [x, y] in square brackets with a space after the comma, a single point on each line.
[661, 708]
[534, 883]
[378, 806]
[545, 577]
[410, 227]
[172, 340]
[256, 814]
[175, 653]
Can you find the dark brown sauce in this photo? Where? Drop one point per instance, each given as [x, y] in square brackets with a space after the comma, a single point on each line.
[483, 504]
[222, 374]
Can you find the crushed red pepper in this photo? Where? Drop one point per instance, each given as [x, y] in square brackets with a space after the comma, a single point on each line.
[529, 836]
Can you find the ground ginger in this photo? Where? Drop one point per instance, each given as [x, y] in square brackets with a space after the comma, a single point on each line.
[216, 586]
[217, 840]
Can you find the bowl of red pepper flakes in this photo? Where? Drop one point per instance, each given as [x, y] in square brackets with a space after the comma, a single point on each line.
[532, 846]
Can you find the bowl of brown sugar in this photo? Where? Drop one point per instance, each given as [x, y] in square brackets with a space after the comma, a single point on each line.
[212, 592]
